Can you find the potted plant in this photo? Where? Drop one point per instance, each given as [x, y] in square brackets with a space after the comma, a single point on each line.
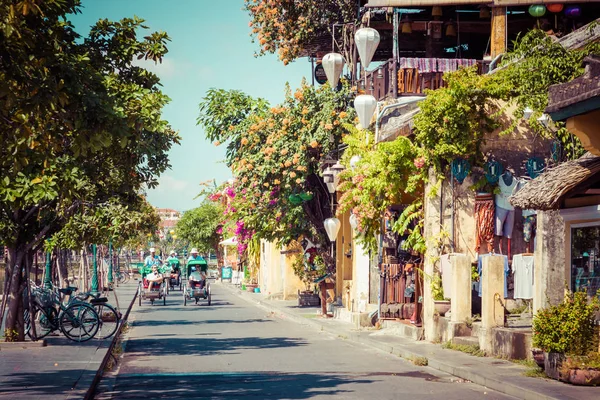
[442, 304]
[307, 269]
[568, 335]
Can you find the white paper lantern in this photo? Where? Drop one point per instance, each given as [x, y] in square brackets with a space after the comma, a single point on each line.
[365, 105]
[332, 227]
[353, 221]
[333, 64]
[367, 40]
[354, 161]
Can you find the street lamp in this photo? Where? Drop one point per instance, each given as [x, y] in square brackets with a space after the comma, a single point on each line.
[95, 270]
[333, 64]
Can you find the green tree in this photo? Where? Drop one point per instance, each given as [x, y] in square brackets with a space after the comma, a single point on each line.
[81, 125]
[198, 227]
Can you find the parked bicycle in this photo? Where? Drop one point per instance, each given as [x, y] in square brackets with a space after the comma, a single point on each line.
[109, 316]
[77, 320]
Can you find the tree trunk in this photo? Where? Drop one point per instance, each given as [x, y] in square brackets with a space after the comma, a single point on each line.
[14, 319]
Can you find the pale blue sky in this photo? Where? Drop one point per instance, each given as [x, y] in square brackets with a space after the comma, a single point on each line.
[210, 47]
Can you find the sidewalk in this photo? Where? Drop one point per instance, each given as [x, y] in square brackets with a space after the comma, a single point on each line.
[500, 375]
[63, 369]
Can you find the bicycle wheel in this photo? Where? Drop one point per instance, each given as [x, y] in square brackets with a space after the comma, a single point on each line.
[109, 320]
[42, 320]
[79, 322]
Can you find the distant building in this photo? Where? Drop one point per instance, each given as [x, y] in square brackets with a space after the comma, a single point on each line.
[168, 220]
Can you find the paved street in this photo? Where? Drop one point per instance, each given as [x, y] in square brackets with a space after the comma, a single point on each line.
[235, 349]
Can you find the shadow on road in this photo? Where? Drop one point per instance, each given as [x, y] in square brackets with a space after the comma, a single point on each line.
[205, 346]
[41, 385]
[267, 385]
[185, 322]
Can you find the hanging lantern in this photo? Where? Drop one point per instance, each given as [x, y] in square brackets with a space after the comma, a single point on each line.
[460, 169]
[436, 12]
[451, 29]
[354, 161]
[406, 26]
[332, 227]
[555, 8]
[365, 105]
[353, 221]
[537, 10]
[573, 11]
[535, 166]
[333, 64]
[295, 199]
[174, 237]
[556, 151]
[493, 170]
[367, 40]
[306, 196]
[484, 12]
[527, 112]
[171, 231]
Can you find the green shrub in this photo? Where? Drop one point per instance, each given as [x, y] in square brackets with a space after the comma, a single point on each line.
[567, 327]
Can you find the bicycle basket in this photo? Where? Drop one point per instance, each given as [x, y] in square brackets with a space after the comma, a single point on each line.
[43, 297]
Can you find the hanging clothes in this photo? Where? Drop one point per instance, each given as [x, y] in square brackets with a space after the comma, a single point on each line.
[480, 272]
[484, 220]
[522, 269]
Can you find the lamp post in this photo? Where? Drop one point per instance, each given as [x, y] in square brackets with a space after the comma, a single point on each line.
[110, 263]
[95, 270]
[48, 275]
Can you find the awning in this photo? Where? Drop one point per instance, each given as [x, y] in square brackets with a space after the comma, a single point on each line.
[232, 241]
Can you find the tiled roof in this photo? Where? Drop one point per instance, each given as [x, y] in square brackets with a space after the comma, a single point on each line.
[579, 89]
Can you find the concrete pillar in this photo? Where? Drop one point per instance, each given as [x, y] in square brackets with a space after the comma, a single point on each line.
[492, 296]
[460, 305]
[550, 260]
[431, 228]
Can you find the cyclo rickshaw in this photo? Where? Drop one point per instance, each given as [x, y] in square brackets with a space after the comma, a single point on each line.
[157, 292]
[196, 290]
[174, 274]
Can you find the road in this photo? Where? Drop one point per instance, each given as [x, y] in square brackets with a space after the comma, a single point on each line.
[235, 349]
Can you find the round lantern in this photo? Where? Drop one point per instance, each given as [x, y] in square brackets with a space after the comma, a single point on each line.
[295, 199]
[555, 8]
[573, 11]
[354, 161]
[537, 10]
[172, 232]
[332, 227]
[365, 105]
[367, 40]
[333, 64]
[353, 221]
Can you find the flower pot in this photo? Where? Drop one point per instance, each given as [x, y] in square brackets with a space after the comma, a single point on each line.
[552, 364]
[308, 299]
[442, 307]
[538, 357]
[584, 377]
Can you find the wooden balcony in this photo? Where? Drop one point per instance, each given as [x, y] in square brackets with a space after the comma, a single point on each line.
[412, 76]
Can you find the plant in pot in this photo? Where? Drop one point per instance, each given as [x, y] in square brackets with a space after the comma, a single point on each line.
[442, 304]
[307, 268]
[568, 336]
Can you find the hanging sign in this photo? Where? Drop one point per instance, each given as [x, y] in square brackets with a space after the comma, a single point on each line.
[320, 75]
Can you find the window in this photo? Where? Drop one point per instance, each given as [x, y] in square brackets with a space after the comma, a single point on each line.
[585, 258]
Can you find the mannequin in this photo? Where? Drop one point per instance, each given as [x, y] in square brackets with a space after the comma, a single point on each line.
[505, 212]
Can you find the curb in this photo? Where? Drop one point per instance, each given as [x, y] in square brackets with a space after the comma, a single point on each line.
[98, 376]
[22, 345]
[460, 372]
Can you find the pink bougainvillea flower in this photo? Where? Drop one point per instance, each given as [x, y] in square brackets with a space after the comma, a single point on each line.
[419, 162]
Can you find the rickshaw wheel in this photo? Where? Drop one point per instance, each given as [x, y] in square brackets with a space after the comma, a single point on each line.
[209, 297]
[164, 300]
[139, 296]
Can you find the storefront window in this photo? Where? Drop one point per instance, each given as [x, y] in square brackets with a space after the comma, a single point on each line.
[585, 259]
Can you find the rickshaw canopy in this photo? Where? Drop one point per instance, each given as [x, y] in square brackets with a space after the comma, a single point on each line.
[201, 265]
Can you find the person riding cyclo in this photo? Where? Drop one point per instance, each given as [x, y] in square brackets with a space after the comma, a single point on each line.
[197, 277]
[174, 264]
[153, 261]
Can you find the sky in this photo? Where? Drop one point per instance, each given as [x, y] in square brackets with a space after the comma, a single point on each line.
[210, 48]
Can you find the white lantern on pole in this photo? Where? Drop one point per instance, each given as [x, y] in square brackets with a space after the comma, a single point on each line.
[329, 180]
[337, 168]
[365, 105]
[332, 227]
[367, 40]
[333, 64]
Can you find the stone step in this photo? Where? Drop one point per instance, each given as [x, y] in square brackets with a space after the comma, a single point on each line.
[466, 340]
[402, 329]
[475, 329]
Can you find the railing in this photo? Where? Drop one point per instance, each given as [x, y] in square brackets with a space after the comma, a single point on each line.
[412, 76]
